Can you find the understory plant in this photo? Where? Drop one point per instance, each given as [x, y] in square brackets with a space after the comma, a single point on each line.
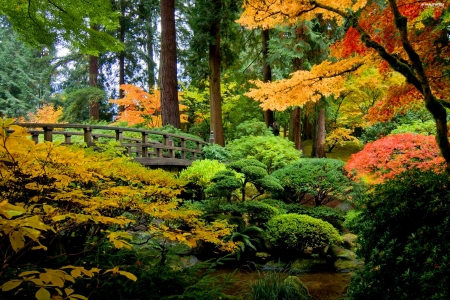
[404, 235]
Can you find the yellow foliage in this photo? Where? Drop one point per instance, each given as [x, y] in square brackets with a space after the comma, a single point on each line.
[324, 79]
[53, 191]
[48, 113]
[269, 14]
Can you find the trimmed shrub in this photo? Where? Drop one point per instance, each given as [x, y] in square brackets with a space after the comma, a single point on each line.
[294, 232]
[404, 237]
[322, 178]
[259, 212]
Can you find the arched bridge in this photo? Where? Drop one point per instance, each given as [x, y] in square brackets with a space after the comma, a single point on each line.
[150, 148]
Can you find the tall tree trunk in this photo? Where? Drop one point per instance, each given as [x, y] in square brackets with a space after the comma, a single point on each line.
[267, 74]
[94, 106]
[320, 134]
[295, 133]
[169, 93]
[122, 53]
[295, 127]
[214, 80]
[151, 65]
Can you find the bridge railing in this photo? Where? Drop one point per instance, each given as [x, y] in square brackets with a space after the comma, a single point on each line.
[147, 147]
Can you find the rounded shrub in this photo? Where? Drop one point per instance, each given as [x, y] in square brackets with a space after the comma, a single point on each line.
[259, 212]
[294, 232]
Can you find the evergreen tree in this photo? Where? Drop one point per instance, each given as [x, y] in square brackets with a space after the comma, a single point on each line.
[25, 74]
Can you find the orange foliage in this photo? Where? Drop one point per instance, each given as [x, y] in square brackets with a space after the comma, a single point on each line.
[426, 33]
[46, 114]
[389, 156]
[140, 107]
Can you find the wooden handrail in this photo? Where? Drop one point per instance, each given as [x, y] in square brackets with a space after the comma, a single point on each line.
[173, 149]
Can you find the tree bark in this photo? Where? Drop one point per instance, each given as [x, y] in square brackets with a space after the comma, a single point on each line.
[267, 74]
[295, 128]
[214, 81]
[169, 88]
[122, 54]
[94, 106]
[320, 135]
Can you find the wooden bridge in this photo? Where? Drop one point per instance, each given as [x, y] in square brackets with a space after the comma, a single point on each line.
[150, 148]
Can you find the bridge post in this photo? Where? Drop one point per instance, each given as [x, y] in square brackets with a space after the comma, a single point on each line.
[48, 133]
[144, 142]
[170, 143]
[119, 135]
[88, 135]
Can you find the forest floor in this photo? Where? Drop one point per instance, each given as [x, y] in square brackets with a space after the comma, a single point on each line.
[343, 153]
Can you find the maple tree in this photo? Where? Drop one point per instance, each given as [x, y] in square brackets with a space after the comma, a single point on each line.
[391, 155]
[47, 113]
[406, 36]
[140, 107]
[54, 198]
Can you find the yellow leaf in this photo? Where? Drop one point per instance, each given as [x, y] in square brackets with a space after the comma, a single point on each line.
[28, 273]
[45, 277]
[68, 291]
[57, 281]
[12, 284]
[128, 275]
[75, 273]
[17, 240]
[76, 297]
[36, 281]
[43, 294]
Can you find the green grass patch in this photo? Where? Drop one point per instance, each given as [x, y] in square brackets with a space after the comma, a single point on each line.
[339, 152]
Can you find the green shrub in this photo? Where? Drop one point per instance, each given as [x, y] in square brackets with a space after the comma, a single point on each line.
[351, 220]
[254, 172]
[322, 178]
[259, 212]
[419, 127]
[278, 204]
[224, 184]
[199, 175]
[404, 237]
[294, 232]
[252, 127]
[216, 152]
[273, 152]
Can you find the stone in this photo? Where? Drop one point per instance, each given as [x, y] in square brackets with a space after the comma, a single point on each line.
[275, 265]
[345, 207]
[348, 241]
[309, 265]
[339, 252]
[346, 265]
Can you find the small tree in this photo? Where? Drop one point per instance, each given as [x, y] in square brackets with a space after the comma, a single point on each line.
[389, 156]
[322, 178]
[254, 172]
[274, 152]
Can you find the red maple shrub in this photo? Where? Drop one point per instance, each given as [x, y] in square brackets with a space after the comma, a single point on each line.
[391, 155]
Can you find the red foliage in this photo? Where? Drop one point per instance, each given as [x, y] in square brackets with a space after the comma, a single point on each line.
[399, 100]
[394, 154]
[352, 43]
